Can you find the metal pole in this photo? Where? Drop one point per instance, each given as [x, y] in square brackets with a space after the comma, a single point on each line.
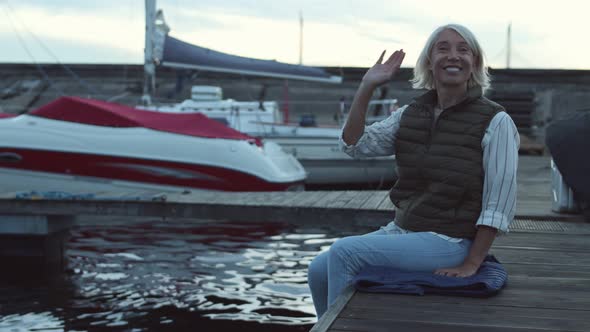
[508, 45]
[300, 38]
[286, 102]
[148, 66]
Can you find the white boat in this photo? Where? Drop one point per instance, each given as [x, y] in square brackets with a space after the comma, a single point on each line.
[81, 145]
[316, 147]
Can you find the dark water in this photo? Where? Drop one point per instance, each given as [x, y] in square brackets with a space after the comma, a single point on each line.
[174, 275]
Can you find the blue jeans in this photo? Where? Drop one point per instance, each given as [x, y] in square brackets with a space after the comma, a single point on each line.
[331, 271]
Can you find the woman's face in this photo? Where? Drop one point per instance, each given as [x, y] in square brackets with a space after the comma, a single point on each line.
[452, 60]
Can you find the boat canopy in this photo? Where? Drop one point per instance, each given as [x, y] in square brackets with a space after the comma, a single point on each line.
[179, 54]
[6, 115]
[101, 113]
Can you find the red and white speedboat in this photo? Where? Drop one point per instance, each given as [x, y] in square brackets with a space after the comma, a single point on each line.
[75, 144]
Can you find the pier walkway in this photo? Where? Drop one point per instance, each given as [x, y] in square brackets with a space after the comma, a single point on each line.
[345, 207]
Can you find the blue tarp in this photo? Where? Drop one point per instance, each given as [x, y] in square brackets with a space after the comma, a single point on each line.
[488, 281]
[184, 55]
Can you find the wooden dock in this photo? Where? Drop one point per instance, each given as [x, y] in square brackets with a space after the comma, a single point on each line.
[548, 264]
[546, 254]
[366, 208]
[548, 290]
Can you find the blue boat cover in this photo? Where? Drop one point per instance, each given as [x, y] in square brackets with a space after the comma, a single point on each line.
[184, 55]
[567, 138]
[488, 281]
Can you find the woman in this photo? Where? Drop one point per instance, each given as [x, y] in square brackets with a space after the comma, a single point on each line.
[456, 154]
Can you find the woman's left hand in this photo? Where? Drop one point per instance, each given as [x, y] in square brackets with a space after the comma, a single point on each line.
[462, 271]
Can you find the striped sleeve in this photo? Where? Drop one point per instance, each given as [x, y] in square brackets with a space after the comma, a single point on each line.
[500, 162]
[378, 139]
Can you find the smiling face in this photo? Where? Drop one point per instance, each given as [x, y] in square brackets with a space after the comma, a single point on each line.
[451, 60]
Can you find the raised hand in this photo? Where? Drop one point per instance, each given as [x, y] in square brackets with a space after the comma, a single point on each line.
[382, 72]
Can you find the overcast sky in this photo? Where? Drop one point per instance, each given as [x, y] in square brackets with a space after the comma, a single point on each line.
[545, 34]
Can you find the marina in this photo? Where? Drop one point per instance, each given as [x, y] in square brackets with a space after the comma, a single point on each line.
[175, 187]
[544, 253]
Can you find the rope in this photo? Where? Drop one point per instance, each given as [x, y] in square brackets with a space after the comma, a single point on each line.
[24, 45]
[66, 68]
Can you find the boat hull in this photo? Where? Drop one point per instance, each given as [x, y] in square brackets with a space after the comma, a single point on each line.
[55, 171]
[370, 172]
[326, 164]
[55, 155]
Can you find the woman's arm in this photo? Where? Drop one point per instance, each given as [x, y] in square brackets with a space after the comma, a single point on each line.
[378, 139]
[479, 249]
[375, 76]
[355, 123]
[500, 163]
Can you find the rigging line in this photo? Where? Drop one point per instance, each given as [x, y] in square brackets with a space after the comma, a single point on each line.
[24, 45]
[498, 56]
[66, 68]
[522, 58]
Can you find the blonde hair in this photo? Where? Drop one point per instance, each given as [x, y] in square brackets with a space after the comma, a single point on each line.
[423, 78]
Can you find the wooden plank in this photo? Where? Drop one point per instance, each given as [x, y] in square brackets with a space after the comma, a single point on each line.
[334, 310]
[361, 197]
[373, 202]
[546, 270]
[561, 282]
[517, 298]
[296, 198]
[326, 199]
[554, 241]
[476, 317]
[251, 199]
[426, 308]
[488, 315]
[387, 326]
[386, 205]
[547, 257]
[534, 191]
[312, 197]
[279, 199]
[262, 199]
[343, 200]
[443, 316]
[234, 198]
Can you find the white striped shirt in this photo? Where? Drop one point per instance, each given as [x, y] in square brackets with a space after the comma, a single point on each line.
[500, 161]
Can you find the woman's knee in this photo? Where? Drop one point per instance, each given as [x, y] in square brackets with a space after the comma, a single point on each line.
[318, 268]
[344, 247]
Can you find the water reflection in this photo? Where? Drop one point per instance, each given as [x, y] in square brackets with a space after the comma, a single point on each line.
[151, 275]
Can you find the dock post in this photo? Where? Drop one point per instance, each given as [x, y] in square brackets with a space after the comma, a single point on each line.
[33, 246]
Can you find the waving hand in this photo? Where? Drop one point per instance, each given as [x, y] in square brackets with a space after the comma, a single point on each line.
[382, 72]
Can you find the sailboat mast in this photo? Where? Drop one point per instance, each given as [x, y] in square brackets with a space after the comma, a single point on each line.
[300, 38]
[149, 67]
[508, 45]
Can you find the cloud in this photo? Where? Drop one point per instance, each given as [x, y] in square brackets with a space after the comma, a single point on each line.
[66, 31]
[66, 51]
[345, 32]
